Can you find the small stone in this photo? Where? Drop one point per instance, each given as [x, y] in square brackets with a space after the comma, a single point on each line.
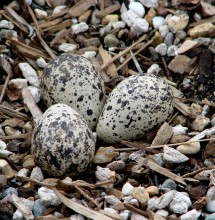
[162, 212]
[127, 189]
[164, 30]
[177, 23]
[180, 203]
[38, 208]
[28, 127]
[152, 190]
[110, 211]
[210, 217]
[200, 123]
[67, 47]
[30, 74]
[181, 34]
[211, 194]
[150, 4]
[41, 62]
[189, 148]
[103, 174]
[137, 8]
[134, 156]
[179, 129]
[193, 214]
[35, 92]
[58, 9]
[140, 26]
[5, 33]
[29, 163]
[118, 25]
[94, 19]
[110, 18]
[18, 83]
[18, 215]
[169, 184]
[37, 174]
[11, 131]
[116, 165]
[6, 169]
[112, 200]
[150, 15]
[203, 175]
[135, 216]
[125, 215]
[173, 156]
[40, 14]
[172, 51]
[48, 197]
[3, 145]
[8, 191]
[179, 64]
[168, 40]
[161, 49]
[111, 40]
[6, 24]
[154, 69]
[202, 30]
[186, 46]
[23, 172]
[80, 28]
[158, 21]
[210, 206]
[140, 194]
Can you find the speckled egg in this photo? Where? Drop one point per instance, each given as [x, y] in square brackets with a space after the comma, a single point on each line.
[134, 107]
[62, 141]
[73, 80]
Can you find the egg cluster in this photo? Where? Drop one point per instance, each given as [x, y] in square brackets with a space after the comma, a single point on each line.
[63, 141]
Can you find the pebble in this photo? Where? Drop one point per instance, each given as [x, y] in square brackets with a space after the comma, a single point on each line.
[203, 175]
[152, 190]
[164, 30]
[110, 18]
[124, 215]
[18, 83]
[89, 54]
[18, 215]
[140, 26]
[158, 21]
[173, 156]
[150, 4]
[172, 51]
[58, 9]
[29, 163]
[210, 206]
[8, 191]
[180, 203]
[110, 211]
[136, 154]
[168, 40]
[41, 62]
[4, 33]
[30, 74]
[181, 34]
[129, 17]
[6, 24]
[67, 47]
[127, 189]
[168, 184]
[202, 30]
[154, 69]
[111, 40]
[35, 92]
[177, 23]
[3, 145]
[40, 14]
[200, 122]
[162, 212]
[11, 131]
[192, 214]
[137, 8]
[189, 148]
[38, 208]
[186, 46]
[140, 194]
[23, 172]
[118, 24]
[116, 165]
[80, 28]
[3, 181]
[135, 216]
[211, 193]
[210, 217]
[161, 49]
[179, 129]
[37, 174]
[48, 197]
[103, 174]
[112, 200]
[6, 169]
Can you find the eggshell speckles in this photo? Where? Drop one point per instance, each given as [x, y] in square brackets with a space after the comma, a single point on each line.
[72, 79]
[134, 107]
[62, 142]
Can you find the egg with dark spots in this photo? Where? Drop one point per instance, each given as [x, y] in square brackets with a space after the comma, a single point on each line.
[62, 142]
[73, 80]
[136, 105]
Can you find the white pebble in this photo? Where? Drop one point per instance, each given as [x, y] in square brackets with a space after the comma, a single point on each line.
[37, 174]
[30, 74]
[180, 203]
[150, 4]
[193, 214]
[172, 51]
[179, 129]
[6, 24]
[173, 156]
[161, 49]
[210, 206]
[79, 28]
[58, 9]
[3, 145]
[110, 211]
[154, 69]
[127, 189]
[162, 212]
[89, 54]
[137, 8]
[48, 197]
[41, 62]
[67, 47]
[103, 174]
[125, 215]
[118, 24]
[23, 172]
[18, 215]
[158, 21]
[40, 14]
[164, 30]
[112, 200]
[35, 92]
[136, 154]
[211, 194]
[129, 17]
[140, 26]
